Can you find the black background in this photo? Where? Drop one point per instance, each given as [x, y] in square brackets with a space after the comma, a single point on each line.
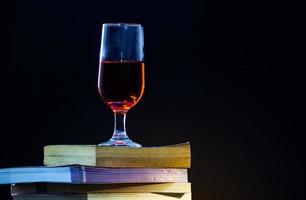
[214, 77]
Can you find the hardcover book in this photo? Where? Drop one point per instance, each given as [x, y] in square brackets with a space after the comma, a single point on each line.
[57, 188]
[172, 156]
[91, 175]
[107, 196]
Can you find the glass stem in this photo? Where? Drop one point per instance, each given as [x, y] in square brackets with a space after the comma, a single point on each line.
[119, 128]
[120, 137]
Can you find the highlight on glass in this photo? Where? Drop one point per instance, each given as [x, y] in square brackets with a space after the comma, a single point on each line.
[121, 79]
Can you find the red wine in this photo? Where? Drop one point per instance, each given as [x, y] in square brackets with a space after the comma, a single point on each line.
[121, 84]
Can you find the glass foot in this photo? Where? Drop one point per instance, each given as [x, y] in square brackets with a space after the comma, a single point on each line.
[120, 139]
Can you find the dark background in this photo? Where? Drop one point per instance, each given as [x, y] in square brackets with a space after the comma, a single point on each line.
[214, 77]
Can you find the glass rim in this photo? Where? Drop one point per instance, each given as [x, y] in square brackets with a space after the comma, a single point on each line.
[121, 24]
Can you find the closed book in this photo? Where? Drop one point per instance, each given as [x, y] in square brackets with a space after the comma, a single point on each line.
[56, 188]
[91, 175]
[106, 196]
[172, 156]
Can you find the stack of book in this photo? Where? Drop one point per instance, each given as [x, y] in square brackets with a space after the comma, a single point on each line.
[78, 172]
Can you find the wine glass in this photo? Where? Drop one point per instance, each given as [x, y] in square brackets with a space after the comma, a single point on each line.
[121, 78]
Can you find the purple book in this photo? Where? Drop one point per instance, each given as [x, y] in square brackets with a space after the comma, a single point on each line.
[90, 175]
